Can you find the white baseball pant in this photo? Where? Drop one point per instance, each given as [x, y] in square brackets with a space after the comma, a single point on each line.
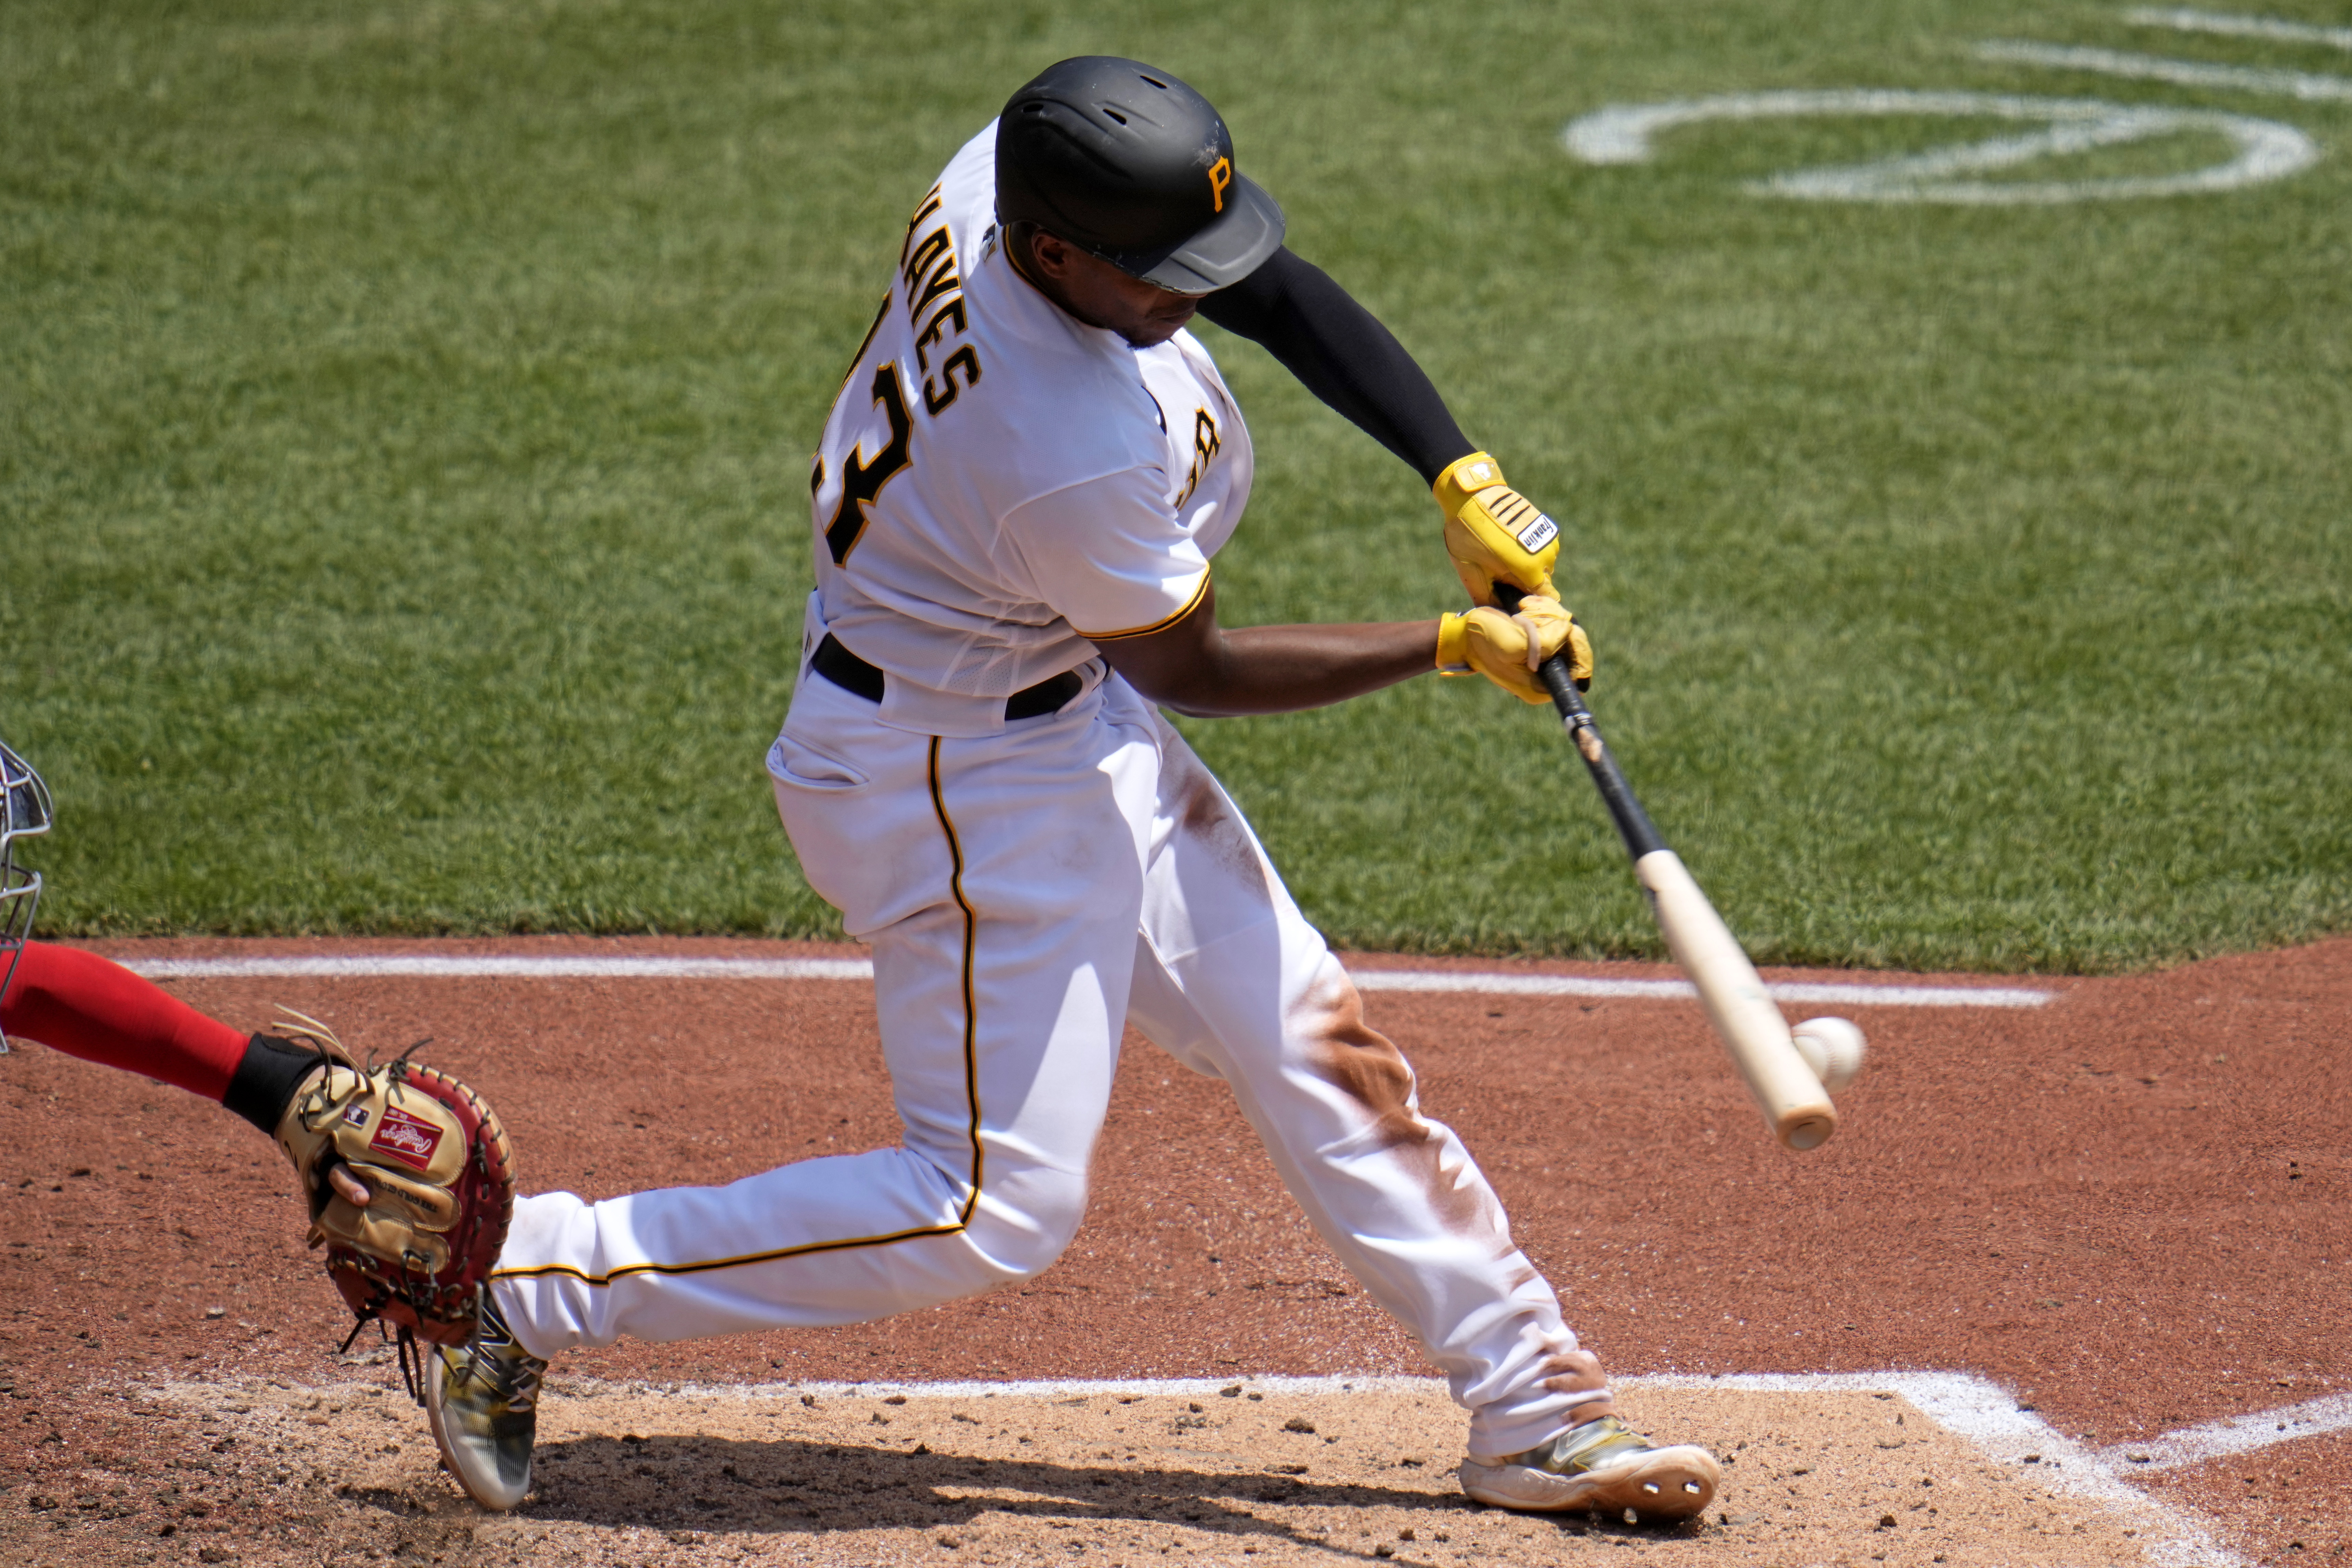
[1023, 893]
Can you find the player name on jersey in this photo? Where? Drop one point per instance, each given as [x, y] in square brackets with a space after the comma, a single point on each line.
[1000, 486]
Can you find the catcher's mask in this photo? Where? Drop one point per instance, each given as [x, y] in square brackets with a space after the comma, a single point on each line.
[24, 812]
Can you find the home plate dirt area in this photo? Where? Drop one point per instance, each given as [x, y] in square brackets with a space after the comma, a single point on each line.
[2066, 1288]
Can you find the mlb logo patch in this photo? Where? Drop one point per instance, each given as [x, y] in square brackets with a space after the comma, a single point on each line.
[406, 1138]
[356, 1116]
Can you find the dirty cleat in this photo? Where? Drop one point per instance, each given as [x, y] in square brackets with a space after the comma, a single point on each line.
[483, 1404]
[1604, 1464]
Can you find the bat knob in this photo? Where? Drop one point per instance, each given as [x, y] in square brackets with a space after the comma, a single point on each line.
[1811, 1133]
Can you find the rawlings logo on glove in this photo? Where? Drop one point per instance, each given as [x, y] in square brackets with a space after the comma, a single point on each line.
[408, 1139]
[410, 1181]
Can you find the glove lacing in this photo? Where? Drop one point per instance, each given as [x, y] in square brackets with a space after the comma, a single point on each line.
[333, 1054]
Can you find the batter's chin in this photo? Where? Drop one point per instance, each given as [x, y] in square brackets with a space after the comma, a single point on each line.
[1157, 329]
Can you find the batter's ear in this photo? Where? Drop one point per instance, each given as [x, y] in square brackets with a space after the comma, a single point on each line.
[1042, 253]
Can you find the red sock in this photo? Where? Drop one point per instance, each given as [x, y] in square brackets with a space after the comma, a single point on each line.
[79, 1003]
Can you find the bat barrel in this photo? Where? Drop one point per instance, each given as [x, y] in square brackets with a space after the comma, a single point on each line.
[1745, 1018]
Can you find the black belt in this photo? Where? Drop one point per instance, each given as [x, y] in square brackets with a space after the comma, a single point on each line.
[853, 674]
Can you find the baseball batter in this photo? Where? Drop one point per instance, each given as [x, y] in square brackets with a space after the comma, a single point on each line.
[1019, 491]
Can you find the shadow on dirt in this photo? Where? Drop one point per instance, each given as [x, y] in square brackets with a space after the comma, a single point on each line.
[790, 1487]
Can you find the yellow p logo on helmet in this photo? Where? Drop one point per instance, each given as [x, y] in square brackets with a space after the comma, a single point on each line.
[1221, 174]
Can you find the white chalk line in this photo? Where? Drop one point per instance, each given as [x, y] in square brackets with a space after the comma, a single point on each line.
[487, 966]
[1679, 990]
[2233, 1435]
[497, 967]
[1987, 1415]
[2232, 26]
[2309, 86]
[1974, 1410]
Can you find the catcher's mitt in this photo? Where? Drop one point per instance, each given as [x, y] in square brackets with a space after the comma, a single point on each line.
[440, 1176]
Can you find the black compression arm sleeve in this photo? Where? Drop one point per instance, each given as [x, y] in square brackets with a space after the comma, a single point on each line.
[1335, 347]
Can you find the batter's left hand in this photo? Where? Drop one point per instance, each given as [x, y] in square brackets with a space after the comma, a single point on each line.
[1507, 648]
[1493, 534]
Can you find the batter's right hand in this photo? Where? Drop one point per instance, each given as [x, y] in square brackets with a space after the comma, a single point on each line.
[1493, 533]
[1507, 648]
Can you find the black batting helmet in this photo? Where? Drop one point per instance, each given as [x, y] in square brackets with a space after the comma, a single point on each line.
[1132, 165]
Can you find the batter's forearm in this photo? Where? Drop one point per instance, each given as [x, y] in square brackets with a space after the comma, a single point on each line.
[1285, 669]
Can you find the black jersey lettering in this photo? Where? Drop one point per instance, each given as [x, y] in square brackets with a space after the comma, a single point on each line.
[935, 245]
[929, 337]
[944, 283]
[1204, 447]
[861, 480]
[929, 204]
[936, 403]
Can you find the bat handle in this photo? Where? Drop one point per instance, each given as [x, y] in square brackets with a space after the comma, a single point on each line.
[1553, 673]
[1633, 825]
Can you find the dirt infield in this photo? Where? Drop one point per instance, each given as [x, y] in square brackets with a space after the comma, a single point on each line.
[2127, 1207]
[1246, 1472]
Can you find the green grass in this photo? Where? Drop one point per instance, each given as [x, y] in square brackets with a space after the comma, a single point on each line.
[403, 450]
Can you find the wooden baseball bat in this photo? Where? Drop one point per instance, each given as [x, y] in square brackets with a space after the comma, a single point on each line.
[1745, 1019]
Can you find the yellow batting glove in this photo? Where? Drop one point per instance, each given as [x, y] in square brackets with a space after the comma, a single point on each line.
[1493, 534]
[1506, 649]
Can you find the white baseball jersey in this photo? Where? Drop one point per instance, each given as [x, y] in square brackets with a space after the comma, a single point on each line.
[1001, 486]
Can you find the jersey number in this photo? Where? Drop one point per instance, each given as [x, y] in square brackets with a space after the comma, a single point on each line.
[861, 482]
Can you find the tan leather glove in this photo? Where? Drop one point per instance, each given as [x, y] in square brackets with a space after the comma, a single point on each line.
[1507, 648]
[1493, 533]
[439, 1175]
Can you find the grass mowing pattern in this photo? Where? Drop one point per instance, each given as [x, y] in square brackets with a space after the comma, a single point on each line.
[403, 522]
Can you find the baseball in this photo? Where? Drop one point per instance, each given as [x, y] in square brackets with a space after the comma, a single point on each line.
[1832, 1047]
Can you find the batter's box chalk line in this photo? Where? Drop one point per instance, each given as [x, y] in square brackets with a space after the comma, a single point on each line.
[491, 967]
[1977, 1411]
[1987, 1415]
[2233, 1435]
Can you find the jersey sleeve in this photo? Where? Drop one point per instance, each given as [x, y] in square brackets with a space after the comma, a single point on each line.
[1108, 556]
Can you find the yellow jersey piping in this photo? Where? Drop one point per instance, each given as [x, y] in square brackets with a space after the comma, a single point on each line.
[971, 1093]
[1161, 625]
[971, 1004]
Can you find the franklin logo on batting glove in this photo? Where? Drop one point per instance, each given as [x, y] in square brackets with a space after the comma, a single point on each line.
[1493, 533]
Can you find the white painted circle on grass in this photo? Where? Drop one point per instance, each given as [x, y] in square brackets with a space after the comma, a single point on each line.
[2265, 149]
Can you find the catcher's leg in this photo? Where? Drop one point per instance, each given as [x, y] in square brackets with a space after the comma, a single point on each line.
[1232, 980]
[998, 880]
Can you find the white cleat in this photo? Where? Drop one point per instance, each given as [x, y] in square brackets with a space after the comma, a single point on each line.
[1602, 1465]
[482, 1403]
